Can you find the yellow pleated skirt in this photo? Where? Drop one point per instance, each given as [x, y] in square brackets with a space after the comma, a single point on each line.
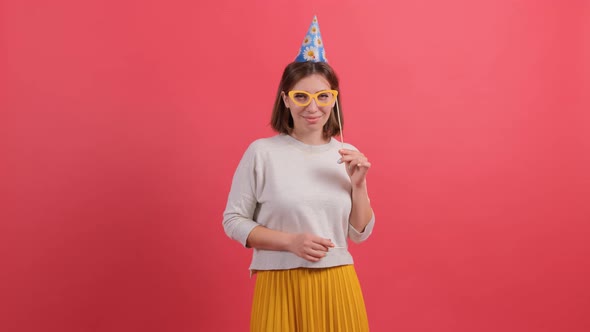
[308, 300]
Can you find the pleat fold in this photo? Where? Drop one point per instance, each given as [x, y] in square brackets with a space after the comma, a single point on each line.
[308, 300]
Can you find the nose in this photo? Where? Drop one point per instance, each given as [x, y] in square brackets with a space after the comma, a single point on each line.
[313, 106]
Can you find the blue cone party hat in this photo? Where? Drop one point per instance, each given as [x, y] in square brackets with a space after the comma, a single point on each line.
[312, 48]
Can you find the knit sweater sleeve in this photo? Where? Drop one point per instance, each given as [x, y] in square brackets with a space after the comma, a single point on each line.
[241, 204]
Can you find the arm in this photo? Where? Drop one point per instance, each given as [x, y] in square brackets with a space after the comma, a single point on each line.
[306, 246]
[241, 202]
[361, 214]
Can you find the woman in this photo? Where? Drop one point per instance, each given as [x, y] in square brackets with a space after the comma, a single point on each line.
[296, 198]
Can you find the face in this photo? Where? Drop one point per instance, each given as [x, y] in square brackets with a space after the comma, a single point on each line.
[313, 117]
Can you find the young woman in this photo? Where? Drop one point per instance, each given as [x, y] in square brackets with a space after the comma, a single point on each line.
[296, 198]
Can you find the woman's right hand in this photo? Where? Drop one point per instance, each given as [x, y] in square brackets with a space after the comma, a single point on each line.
[309, 247]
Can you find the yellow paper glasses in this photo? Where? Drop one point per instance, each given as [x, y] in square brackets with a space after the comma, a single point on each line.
[322, 98]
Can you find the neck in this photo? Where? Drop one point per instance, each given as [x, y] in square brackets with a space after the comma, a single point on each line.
[312, 138]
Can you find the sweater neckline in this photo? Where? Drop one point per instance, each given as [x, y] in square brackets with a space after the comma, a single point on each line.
[308, 147]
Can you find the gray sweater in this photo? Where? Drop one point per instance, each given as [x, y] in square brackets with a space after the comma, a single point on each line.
[289, 186]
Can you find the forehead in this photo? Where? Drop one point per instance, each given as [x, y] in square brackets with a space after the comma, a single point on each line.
[312, 83]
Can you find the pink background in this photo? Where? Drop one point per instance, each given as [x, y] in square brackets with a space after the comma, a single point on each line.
[122, 122]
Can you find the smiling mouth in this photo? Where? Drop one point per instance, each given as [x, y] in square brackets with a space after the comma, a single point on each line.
[312, 120]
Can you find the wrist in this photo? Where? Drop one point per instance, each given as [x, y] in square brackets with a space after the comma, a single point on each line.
[287, 241]
[362, 186]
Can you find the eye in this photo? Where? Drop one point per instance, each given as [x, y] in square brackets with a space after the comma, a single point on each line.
[324, 96]
[300, 96]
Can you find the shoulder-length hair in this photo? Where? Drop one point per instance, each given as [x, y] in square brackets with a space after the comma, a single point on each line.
[281, 119]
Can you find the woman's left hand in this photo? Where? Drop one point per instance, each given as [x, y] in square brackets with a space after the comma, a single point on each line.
[357, 165]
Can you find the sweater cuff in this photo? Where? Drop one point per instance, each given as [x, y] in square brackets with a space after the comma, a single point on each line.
[244, 230]
[356, 236]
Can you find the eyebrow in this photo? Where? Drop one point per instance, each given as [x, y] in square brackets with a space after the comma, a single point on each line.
[313, 92]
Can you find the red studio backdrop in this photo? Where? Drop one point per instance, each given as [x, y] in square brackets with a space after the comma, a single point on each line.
[122, 122]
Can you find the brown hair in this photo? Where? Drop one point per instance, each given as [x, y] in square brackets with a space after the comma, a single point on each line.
[281, 119]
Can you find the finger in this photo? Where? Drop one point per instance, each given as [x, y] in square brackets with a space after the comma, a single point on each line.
[311, 258]
[326, 243]
[361, 170]
[359, 162]
[319, 247]
[346, 161]
[351, 157]
[315, 253]
[344, 151]
[363, 163]
[347, 151]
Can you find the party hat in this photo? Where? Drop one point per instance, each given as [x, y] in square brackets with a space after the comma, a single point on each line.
[312, 48]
